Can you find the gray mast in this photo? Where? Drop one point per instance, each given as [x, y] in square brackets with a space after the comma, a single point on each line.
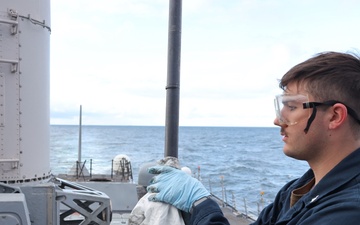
[173, 79]
[80, 136]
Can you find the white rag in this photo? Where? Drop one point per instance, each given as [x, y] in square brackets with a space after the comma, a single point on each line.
[156, 213]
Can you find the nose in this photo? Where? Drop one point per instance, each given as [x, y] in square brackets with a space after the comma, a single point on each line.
[276, 121]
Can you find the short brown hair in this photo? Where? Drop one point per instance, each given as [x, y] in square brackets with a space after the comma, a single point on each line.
[329, 76]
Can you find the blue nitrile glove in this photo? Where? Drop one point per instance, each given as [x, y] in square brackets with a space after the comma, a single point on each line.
[175, 187]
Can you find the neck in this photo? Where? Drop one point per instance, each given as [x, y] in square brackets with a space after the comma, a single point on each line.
[330, 158]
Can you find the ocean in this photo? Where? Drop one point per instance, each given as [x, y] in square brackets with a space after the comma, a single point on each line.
[244, 165]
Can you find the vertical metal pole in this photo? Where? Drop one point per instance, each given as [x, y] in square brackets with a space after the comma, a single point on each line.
[112, 168]
[90, 168]
[173, 79]
[80, 133]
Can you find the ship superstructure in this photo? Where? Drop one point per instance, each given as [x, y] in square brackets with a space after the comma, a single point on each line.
[29, 194]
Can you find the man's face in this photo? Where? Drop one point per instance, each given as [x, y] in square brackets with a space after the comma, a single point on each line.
[292, 119]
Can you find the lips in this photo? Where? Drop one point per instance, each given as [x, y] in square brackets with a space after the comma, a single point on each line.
[284, 135]
[284, 138]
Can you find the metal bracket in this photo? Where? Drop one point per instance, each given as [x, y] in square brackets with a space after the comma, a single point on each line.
[13, 21]
[14, 25]
[14, 64]
[83, 205]
[13, 16]
[14, 162]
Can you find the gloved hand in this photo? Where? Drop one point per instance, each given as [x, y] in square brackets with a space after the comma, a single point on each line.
[175, 187]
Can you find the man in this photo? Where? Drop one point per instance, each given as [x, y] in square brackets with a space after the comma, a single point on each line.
[318, 114]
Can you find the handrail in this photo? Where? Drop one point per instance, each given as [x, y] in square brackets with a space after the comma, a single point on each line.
[36, 22]
[9, 61]
[15, 23]
[12, 22]
[9, 160]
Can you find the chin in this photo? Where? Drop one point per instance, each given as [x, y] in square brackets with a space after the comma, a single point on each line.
[288, 152]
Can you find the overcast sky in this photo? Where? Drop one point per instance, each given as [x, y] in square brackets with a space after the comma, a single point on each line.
[110, 56]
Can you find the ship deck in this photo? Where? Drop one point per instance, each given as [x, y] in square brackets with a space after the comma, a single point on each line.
[122, 204]
[233, 218]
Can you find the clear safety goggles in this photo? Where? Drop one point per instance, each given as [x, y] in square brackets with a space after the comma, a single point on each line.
[291, 109]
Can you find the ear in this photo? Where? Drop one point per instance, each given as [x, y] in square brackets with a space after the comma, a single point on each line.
[339, 115]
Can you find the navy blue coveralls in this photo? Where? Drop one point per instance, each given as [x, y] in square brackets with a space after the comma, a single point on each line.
[335, 200]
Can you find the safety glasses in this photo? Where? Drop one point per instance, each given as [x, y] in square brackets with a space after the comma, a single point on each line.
[289, 109]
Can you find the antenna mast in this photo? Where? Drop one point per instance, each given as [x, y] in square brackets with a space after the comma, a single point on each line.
[173, 79]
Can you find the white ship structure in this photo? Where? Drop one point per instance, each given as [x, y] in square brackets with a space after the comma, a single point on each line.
[29, 193]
